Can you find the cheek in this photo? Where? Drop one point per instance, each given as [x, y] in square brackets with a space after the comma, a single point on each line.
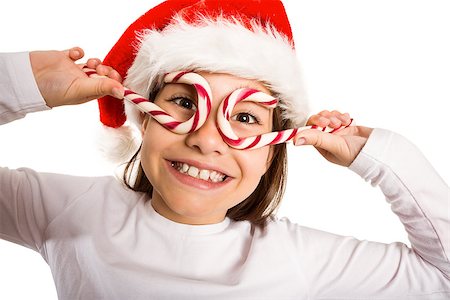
[155, 139]
[148, 157]
[253, 163]
[149, 145]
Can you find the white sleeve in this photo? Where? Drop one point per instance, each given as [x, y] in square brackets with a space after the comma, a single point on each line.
[28, 200]
[19, 93]
[346, 268]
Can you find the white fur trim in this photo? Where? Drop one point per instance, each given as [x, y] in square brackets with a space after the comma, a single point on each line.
[118, 145]
[221, 46]
[218, 46]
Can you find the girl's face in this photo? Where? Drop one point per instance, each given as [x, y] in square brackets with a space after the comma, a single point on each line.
[197, 177]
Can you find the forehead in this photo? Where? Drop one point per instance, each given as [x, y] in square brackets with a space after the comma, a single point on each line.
[223, 84]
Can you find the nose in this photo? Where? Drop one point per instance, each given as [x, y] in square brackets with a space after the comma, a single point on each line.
[207, 139]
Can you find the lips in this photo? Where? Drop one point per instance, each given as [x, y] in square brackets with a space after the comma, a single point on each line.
[195, 172]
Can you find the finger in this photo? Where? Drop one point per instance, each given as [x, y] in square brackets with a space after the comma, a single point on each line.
[320, 140]
[325, 113]
[92, 63]
[74, 53]
[108, 71]
[113, 74]
[337, 119]
[346, 119]
[361, 131]
[318, 120]
[343, 117]
[94, 88]
[333, 121]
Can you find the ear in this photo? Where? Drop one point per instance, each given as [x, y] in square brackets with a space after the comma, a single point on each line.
[269, 158]
[144, 123]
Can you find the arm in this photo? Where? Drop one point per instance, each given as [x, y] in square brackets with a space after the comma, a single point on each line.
[31, 82]
[416, 193]
[62, 82]
[343, 267]
[40, 80]
[19, 93]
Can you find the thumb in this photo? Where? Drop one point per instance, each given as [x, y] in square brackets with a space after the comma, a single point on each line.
[74, 53]
[319, 139]
[94, 88]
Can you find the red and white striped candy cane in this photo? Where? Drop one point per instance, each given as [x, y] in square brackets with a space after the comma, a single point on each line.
[258, 141]
[223, 115]
[204, 99]
[145, 105]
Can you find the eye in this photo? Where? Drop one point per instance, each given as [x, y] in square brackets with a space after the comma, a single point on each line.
[184, 103]
[245, 118]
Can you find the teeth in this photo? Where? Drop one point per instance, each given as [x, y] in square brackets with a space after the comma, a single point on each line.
[196, 173]
[193, 172]
[213, 176]
[204, 174]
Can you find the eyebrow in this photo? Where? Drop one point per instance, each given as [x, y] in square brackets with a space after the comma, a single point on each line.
[250, 86]
[256, 104]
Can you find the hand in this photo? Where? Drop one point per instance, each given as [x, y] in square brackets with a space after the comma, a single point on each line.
[340, 147]
[62, 82]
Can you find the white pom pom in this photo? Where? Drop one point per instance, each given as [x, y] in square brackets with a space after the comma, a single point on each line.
[118, 145]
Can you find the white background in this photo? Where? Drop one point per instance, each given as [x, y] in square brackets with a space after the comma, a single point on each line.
[386, 62]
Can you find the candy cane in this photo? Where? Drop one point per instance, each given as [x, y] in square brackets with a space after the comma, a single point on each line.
[204, 99]
[159, 114]
[223, 114]
[258, 141]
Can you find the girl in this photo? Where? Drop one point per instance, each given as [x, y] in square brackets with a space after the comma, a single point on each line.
[182, 234]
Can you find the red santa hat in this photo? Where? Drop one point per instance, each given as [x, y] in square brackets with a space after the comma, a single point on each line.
[247, 38]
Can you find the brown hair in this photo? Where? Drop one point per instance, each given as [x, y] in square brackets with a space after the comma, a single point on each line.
[257, 207]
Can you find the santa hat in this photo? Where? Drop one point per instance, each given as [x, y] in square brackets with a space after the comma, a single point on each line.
[247, 38]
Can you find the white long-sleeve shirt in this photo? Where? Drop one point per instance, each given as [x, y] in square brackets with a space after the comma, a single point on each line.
[104, 241]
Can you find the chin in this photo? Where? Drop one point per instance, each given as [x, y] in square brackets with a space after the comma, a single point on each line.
[196, 209]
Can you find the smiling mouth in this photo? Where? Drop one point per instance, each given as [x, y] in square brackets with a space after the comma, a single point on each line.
[206, 175]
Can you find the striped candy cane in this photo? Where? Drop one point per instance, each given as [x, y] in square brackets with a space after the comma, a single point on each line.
[160, 115]
[258, 141]
[223, 115]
